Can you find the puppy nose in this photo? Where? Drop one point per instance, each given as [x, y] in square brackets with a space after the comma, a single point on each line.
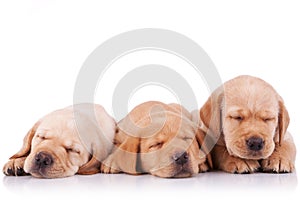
[255, 143]
[181, 158]
[43, 160]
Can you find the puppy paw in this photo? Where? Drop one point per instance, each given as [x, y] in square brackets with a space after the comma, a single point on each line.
[108, 170]
[277, 164]
[108, 166]
[281, 160]
[203, 167]
[240, 166]
[14, 167]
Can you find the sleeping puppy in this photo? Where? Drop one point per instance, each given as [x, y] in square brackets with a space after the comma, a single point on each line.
[65, 142]
[159, 139]
[249, 121]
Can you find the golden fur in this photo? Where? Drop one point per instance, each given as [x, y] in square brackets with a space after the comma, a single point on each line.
[151, 139]
[249, 121]
[53, 147]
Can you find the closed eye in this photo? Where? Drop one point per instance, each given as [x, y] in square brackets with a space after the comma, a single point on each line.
[187, 138]
[71, 150]
[268, 119]
[41, 137]
[237, 118]
[156, 145]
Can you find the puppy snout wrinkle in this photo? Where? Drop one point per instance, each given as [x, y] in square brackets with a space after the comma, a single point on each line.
[181, 158]
[43, 160]
[255, 143]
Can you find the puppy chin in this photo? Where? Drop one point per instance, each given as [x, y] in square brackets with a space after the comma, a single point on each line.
[35, 172]
[174, 171]
[55, 171]
[183, 175]
[49, 173]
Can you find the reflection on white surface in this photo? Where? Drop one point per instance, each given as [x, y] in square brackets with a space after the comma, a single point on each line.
[147, 186]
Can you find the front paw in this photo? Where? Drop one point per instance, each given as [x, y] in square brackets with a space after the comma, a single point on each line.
[108, 170]
[14, 167]
[277, 164]
[108, 166]
[203, 167]
[240, 166]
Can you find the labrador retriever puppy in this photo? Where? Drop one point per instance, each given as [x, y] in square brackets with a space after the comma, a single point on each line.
[65, 142]
[159, 139]
[249, 121]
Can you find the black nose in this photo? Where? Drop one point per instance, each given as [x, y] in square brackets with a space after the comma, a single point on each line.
[181, 158]
[255, 143]
[43, 160]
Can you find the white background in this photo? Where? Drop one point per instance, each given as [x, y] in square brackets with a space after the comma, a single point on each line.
[43, 45]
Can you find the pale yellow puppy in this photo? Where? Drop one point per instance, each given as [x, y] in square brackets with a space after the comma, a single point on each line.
[65, 142]
[249, 121]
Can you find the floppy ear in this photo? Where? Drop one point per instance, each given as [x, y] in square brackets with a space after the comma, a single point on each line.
[124, 155]
[283, 121]
[204, 144]
[25, 150]
[127, 155]
[91, 167]
[210, 113]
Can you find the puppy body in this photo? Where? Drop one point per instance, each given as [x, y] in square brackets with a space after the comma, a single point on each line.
[158, 139]
[249, 121]
[65, 142]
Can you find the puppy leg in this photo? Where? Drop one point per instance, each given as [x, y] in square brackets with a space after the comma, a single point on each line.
[14, 167]
[108, 166]
[203, 165]
[222, 160]
[282, 160]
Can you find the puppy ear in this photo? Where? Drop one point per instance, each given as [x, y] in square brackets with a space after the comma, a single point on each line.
[210, 113]
[204, 143]
[91, 167]
[283, 121]
[25, 150]
[124, 155]
[127, 156]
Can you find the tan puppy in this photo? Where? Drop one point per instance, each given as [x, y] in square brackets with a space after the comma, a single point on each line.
[159, 139]
[65, 142]
[249, 121]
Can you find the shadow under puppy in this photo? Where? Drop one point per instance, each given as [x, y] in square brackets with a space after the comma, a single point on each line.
[159, 139]
[249, 121]
[65, 142]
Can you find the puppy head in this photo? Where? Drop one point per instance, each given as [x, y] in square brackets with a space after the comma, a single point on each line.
[164, 142]
[173, 151]
[249, 114]
[55, 149]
